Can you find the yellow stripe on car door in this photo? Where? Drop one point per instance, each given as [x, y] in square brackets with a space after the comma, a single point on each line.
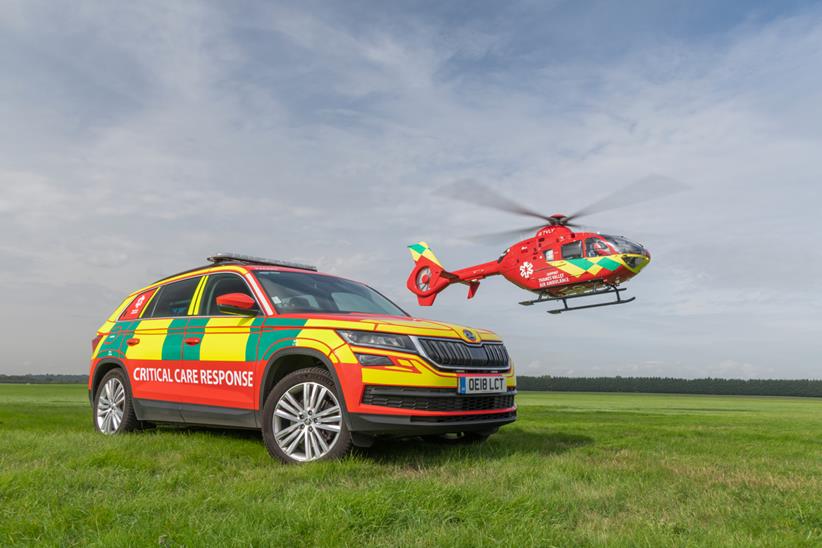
[151, 335]
[225, 339]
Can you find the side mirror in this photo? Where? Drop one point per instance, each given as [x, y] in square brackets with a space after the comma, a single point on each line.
[237, 303]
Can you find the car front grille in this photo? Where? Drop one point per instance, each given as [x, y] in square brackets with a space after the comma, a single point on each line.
[435, 399]
[454, 354]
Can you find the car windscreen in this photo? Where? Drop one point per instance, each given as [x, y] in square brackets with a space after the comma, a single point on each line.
[304, 293]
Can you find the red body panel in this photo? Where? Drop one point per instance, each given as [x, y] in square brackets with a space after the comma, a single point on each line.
[220, 384]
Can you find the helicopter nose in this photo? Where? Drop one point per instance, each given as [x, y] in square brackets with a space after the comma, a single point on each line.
[637, 262]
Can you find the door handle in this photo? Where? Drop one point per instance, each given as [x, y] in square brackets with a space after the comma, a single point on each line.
[191, 341]
[132, 342]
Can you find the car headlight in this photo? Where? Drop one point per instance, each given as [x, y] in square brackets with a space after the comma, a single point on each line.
[371, 339]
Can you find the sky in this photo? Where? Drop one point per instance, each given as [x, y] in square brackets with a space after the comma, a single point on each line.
[138, 138]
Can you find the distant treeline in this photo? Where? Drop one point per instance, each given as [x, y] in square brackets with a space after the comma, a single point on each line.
[44, 379]
[669, 385]
[663, 385]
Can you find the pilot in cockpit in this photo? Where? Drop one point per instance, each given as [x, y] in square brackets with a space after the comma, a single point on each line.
[594, 247]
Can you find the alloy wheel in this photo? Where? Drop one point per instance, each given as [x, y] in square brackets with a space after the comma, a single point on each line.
[307, 421]
[111, 405]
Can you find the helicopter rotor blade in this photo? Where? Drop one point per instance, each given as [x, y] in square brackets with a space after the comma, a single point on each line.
[476, 193]
[651, 187]
[506, 236]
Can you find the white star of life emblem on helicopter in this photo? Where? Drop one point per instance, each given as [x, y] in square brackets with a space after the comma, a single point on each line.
[526, 269]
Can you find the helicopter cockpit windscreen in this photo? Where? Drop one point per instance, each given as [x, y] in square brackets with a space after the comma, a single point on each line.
[624, 245]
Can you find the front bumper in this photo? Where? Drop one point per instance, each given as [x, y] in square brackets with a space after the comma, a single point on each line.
[402, 410]
[412, 425]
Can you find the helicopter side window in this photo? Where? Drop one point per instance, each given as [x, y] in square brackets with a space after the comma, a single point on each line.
[549, 254]
[594, 247]
[572, 250]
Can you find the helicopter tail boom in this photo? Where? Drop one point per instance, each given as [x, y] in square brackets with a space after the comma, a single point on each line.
[428, 277]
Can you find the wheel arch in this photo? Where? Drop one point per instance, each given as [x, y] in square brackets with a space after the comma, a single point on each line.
[288, 360]
[100, 371]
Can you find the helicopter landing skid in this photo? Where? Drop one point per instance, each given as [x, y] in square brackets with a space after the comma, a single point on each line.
[544, 298]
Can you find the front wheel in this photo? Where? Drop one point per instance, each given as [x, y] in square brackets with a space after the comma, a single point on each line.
[303, 420]
[113, 409]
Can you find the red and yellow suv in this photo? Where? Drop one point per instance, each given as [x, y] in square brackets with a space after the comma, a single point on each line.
[319, 363]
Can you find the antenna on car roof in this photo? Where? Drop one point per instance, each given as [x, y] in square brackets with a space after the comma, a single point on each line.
[223, 257]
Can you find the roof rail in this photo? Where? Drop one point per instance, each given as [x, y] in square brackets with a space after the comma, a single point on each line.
[224, 257]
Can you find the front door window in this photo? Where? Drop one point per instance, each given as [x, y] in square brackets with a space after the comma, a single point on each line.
[221, 284]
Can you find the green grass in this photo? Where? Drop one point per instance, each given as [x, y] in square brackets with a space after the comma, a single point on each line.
[575, 469]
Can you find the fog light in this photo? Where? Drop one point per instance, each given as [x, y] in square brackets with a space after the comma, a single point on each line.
[371, 359]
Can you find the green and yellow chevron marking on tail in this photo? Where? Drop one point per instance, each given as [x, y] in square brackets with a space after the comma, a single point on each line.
[421, 249]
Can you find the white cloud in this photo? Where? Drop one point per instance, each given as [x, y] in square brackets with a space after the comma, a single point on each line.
[138, 139]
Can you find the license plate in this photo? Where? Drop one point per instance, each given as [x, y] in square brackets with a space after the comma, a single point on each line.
[487, 384]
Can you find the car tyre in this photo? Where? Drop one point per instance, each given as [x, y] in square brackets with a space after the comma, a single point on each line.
[113, 406]
[303, 418]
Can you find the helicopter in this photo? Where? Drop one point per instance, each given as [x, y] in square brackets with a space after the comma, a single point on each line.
[559, 262]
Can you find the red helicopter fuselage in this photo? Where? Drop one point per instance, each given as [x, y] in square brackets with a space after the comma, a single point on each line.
[555, 263]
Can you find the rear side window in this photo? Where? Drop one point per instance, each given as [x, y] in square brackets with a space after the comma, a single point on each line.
[221, 284]
[173, 299]
[572, 250]
[136, 307]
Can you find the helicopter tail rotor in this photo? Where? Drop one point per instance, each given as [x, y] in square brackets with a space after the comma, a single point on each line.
[428, 277]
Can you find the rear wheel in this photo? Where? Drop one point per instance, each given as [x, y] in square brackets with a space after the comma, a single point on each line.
[113, 409]
[302, 418]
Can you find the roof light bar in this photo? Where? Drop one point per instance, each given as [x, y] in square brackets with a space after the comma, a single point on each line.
[224, 257]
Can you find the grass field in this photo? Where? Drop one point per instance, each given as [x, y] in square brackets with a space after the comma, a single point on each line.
[575, 469]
